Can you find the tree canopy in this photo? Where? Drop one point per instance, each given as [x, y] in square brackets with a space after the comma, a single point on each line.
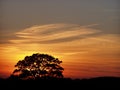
[38, 66]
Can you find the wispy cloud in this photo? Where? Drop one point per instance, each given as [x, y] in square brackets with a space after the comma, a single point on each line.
[54, 33]
[71, 38]
[83, 48]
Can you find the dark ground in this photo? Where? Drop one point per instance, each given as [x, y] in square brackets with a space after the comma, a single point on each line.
[112, 83]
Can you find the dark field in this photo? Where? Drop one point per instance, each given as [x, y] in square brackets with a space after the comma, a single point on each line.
[62, 84]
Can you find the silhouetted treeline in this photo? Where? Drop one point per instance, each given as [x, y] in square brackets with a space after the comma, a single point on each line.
[61, 84]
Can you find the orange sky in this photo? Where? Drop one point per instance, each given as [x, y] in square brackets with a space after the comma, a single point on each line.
[84, 34]
[85, 52]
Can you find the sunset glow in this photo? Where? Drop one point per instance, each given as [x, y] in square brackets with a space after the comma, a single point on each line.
[87, 50]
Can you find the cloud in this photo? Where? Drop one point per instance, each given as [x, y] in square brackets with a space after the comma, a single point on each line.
[83, 48]
[54, 33]
[66, 39]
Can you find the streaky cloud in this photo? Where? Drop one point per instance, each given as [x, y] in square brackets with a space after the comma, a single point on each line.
[54, 33]
[66, 39]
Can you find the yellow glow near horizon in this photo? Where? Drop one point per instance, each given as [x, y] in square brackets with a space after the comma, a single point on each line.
[81, 53]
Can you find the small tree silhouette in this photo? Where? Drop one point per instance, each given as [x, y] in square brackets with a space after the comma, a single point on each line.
[38, 66]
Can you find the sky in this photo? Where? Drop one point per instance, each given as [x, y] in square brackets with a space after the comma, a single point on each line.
[84, 34]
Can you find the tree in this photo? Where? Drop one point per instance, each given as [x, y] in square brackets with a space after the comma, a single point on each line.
[38, 66]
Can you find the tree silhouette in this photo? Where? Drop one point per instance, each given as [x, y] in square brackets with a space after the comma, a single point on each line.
[38, 66]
